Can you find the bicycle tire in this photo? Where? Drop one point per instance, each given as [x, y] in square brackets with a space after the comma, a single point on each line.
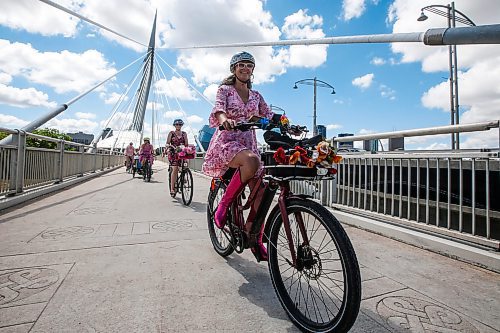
[338, 270]
[148, 173]
[187, 186]
[169, 177]
[219, 241]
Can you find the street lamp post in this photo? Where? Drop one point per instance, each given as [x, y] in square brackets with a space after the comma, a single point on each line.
[452, 17]
[316, 83]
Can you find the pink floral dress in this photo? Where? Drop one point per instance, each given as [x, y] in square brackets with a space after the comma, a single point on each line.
[226, 144]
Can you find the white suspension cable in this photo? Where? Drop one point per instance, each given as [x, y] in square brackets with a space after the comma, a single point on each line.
[185, 80]
[64, 9]
[119, 102]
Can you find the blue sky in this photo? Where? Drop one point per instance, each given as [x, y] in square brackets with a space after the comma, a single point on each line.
[48, 57]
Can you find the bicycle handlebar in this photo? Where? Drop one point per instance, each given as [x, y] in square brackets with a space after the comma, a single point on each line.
[265, 124]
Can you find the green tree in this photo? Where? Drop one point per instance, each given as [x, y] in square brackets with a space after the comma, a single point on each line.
[3, 135]
[51, 133]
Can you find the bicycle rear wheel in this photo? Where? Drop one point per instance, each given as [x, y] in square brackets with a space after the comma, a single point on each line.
[187, 186]
[219, 237]
[148, 172]
[322, 293]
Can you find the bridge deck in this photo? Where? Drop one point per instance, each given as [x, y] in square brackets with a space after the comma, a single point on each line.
[115, 254]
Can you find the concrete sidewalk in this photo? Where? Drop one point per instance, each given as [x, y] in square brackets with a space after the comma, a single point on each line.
[116, 254]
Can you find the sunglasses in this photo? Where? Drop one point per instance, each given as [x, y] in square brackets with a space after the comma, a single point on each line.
[242, 65]
[177, 124]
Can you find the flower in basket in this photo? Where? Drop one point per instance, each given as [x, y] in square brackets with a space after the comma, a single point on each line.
[280, 156]
[295, 157]
[284, 121]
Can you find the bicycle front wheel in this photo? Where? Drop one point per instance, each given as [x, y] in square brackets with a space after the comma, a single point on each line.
[187, 186]
[169, 177]
[322, 291]
[219, 237]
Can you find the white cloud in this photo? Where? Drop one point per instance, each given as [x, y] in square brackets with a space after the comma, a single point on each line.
[377, 61]
[173, 114]
[118, 121]
[37, 17]
[69, 125]
[479, 65]
[333, 126]
[5, 78]
[226, 20]
[85, 115]
[112, 98]
[299, 25]
[387, 92]
[11, 121]
[353, 9]
[210, 92]
[175, 88]
[155, 106]
[194, 119]
[24, 97]
[479, 93]
[364, 81]
[64, 71]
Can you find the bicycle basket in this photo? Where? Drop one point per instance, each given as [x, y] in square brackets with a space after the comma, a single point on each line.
[291, 171]
[267, 158]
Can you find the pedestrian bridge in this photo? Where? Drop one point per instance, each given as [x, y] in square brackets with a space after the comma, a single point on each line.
[449, 194]
[117, 254]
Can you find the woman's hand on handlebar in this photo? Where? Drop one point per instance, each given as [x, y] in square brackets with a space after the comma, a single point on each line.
[228, 124]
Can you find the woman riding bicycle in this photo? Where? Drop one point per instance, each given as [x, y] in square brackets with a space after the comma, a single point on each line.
[175, 139]
[146, 152]
[236, 102]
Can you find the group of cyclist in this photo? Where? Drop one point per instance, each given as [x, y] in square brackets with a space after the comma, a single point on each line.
[235, 102]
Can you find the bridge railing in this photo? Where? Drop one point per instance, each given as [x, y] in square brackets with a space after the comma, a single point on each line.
[24, 168]
[453, 193]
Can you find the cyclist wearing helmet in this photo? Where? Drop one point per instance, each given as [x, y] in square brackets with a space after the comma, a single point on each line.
[236, 102]
[175, 139]
[146, 152]
[129, 156]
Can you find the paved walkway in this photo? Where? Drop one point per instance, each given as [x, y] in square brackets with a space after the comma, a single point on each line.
[116, 254]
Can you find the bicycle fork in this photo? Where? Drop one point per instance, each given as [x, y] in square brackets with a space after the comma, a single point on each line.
[284, 194]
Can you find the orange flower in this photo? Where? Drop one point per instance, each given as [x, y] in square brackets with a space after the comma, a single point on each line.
[294, 158]
[337, 159]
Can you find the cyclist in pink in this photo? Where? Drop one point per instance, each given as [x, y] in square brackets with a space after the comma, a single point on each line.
[146, 152]
[175, 139]
[129, 155]
[236, 102]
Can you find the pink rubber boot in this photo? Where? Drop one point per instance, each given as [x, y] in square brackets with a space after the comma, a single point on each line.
[234, 188]
[260, 250]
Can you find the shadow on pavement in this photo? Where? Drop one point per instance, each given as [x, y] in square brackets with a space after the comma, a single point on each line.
[259, 289]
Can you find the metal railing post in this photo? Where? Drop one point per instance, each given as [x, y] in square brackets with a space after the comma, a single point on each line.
[21, 154]
[94, 150]
[13, 164]
[60, 162]
[82, 152]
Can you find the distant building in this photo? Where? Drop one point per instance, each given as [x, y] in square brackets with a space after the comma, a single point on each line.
[396, 144]
[321, 130]
[105, 133]
[345, 145]
[370, 145]
[81, 137]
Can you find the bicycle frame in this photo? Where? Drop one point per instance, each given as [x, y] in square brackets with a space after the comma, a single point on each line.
[180, 169]
[265, 192]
